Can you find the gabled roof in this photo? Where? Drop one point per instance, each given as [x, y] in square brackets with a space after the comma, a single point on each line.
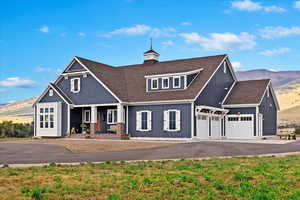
[129, 83]
[247, 92]
[151, 51]
[57, 90]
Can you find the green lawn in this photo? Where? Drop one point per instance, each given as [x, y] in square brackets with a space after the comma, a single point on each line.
[237, 178]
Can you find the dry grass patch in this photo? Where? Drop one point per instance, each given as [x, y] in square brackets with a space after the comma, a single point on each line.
[93, 145]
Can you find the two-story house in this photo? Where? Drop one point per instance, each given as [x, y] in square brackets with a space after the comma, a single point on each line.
[177, 99]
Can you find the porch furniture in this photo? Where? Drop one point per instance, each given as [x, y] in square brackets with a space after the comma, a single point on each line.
[112, 128]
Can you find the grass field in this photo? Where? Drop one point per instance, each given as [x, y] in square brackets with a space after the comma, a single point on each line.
[265, 178]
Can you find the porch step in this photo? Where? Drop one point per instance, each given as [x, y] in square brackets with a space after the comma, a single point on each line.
[97, 136]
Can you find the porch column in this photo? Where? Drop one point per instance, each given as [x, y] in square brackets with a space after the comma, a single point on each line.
[120, 120]
[93, 119]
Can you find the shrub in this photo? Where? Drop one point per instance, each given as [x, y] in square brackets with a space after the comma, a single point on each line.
[297, 130]
[10, 129]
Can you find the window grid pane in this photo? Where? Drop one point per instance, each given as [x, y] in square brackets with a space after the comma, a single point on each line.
[144, 121]
[172, 120]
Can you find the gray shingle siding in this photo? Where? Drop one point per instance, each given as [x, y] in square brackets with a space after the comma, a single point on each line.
[57, 98]
[91, 91]
[217, 88]
[157, 121]
[269, 111]
[76, 67]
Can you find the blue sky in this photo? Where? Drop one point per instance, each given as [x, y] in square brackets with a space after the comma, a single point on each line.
[39, 38]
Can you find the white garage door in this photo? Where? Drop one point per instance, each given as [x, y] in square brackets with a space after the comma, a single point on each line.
[48, 119]
[239, 126]
[202, 126]
[215, 126]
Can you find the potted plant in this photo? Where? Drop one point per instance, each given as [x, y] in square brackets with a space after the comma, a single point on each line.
[83, 126]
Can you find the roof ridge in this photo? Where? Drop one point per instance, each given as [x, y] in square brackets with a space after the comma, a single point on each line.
[80, 58]
[166, 61]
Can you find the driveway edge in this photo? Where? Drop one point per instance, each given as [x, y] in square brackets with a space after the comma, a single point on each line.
[155, 160]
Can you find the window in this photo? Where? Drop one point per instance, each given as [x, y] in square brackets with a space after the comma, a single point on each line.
[233, 119]
[46, 116]
[154, 83]
[143, 120]
[246, 118]
[112, 116]
[87, 116]
[165, 83]
[50, 92]
[172, 120]
[176, 82]
[225, 67]
[75, 85]
[268, 93]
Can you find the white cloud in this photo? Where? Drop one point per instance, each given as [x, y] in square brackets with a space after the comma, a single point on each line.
[186, 23]
[271, 32]
[274, 9]
[251, 6]
[246, 5]
[273, 70]
[164, 32]
[272, 52]
[167, 43]
[236, 65]
[221, 41]
[17, 82]
[44, 29]
[43, 69]
[141, 29]
[81, 34]
[297, 5]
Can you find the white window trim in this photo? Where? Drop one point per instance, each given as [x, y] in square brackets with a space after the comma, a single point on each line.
[149, 120]
[114, 121]
[174, 81]
[153, 88]
[162, 81]
[168, 121]
[72, 81]
[268, 92]
[50, 92]
[84, 116]
[225, 67]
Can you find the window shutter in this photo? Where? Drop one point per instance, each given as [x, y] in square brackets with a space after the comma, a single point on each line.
[166, 120]
[72, 85]
[149, 123]
[178, 120]
[138, 120]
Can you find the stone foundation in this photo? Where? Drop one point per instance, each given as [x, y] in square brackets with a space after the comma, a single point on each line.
[93, 127]
[120, 128]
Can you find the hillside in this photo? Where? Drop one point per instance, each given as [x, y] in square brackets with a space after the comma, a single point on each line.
[286, 83]
[279, 79]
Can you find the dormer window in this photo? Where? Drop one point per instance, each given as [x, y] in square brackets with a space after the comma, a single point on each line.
[176, 82]
[154, 83]
[165, 83]
[75, 85]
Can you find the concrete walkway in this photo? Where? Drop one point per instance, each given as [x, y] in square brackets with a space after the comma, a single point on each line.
[27, 153]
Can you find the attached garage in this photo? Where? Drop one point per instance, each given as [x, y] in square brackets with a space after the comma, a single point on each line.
[209, 122]
[49, 119]
[239, 126]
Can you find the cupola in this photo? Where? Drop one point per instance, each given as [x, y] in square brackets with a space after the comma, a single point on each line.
[151, 56]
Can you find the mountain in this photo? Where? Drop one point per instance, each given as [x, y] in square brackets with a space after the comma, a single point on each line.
[286, 84]
[279, 78]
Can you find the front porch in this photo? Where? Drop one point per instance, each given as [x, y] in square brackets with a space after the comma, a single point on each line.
[101, 121]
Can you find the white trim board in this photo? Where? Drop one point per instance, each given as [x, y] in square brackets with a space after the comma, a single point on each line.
[174, 74]
[98, 80]
[159, 102]
[46, 91]
[240, 105]
[210, 78]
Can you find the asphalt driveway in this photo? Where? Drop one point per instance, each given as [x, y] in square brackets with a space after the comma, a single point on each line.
[27, 153]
